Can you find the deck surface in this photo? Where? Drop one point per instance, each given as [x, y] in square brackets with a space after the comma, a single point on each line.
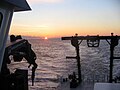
[82, 86]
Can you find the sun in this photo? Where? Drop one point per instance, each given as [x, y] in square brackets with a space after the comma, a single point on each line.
[45, 38]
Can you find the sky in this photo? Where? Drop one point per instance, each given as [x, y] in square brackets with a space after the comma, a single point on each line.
[57, 18]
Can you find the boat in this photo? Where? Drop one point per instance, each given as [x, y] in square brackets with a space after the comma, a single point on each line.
[20, 48]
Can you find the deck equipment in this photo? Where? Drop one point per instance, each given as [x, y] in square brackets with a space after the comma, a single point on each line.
[18, 48]
[94, 41]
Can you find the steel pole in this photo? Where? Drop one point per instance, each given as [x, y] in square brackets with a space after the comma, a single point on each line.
[78, 64]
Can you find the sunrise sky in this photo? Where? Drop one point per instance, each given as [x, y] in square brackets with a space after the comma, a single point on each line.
[56, 18]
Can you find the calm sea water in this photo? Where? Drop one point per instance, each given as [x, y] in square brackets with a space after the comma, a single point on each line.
[53, 65]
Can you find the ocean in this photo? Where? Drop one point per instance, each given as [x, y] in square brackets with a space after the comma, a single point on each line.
[53, 65]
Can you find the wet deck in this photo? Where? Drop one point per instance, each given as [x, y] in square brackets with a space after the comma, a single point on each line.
[82, 86]
[87, 83]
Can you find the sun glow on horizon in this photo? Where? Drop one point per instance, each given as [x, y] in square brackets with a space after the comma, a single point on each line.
[46, 38]
[57, 18]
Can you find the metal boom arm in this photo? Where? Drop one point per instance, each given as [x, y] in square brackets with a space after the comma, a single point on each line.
[93, 41]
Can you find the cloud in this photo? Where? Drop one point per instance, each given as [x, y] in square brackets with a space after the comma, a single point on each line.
[44, 1]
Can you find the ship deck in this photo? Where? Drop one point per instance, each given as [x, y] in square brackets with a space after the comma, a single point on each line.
[82, 86]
